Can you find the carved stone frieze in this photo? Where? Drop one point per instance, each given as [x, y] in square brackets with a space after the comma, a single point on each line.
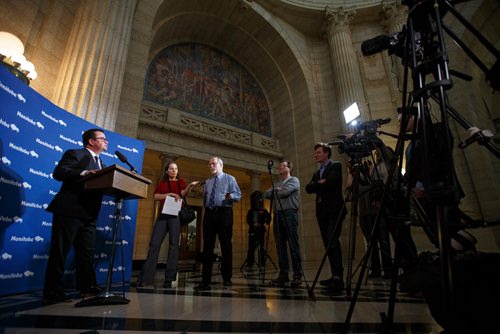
[178, 121]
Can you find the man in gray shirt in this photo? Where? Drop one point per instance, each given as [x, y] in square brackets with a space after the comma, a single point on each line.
[286, 205]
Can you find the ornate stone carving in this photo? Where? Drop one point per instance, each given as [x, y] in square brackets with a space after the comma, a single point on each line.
[394, 15]
[176, 120]
[338, 19]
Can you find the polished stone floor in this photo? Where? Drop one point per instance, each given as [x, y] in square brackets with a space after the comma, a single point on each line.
[250, 305]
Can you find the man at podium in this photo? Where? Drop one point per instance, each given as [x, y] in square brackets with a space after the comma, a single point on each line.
[75, 213]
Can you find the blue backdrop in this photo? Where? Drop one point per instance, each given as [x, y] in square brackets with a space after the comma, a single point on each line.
[34, 133]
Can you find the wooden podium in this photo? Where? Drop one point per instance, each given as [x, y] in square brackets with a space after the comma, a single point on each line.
[123, 184]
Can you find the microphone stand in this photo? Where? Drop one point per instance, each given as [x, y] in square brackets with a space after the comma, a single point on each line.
[269, 170]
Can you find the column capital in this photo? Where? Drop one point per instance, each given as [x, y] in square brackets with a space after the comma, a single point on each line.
[393, 15]
[338, 19]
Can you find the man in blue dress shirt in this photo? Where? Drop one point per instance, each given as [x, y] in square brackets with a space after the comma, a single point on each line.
[220, 190]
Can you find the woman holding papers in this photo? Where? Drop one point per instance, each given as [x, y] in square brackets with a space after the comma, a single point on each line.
[169, 191]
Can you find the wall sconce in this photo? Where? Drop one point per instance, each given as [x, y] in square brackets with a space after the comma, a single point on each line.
[11, 57]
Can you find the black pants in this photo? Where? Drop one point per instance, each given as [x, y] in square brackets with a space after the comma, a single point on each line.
[330, 234]
[68, 231]
[217, 222]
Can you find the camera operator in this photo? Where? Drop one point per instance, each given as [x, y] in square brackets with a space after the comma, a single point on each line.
[417, 175]
[474, 274]
[360, 145]
[370, 188]
[257, 219]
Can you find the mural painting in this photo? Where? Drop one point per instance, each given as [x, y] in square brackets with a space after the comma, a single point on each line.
[201, 80]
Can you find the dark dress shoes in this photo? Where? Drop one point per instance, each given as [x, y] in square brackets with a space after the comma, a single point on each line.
[227, 283]
[55, 297]
[137, 284]
[326, 282]
[335, 288]
[203, 287]
[375, 274]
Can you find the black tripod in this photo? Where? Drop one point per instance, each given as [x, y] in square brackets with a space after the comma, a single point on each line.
[257, 218]
[424, 54]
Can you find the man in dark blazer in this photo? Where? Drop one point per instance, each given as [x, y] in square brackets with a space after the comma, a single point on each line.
[326, 183]
[75, 213]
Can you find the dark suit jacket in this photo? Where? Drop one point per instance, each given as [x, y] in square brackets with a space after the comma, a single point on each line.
[329, 194]
[72, 200]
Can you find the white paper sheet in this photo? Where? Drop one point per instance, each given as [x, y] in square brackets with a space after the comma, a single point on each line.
[171, 206]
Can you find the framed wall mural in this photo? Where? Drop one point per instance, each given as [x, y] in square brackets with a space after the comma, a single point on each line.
[204, 81]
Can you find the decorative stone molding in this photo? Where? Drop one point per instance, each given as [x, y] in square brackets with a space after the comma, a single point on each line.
[246, 4]
[177, 121]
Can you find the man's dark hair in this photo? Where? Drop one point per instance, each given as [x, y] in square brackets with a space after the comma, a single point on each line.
[326, 148]
[89, 134]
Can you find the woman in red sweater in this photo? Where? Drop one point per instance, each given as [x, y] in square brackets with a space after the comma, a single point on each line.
[175, 187]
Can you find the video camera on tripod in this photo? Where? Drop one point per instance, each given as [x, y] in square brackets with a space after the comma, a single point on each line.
[445, 283]
[363, 141]
[258, 215]
[426, 47]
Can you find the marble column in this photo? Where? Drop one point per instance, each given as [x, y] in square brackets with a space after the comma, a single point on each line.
[349, 87]
[254, 181]
[394, 16]
[91, 74]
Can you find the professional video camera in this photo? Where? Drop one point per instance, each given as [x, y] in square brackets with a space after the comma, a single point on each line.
[393, 43]
[363, 141]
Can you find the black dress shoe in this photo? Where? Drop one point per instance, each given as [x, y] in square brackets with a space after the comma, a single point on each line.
[55, 297]
[167, 285]
[137, 284]
[227, 283]
[203, 287]
[336, 287]
[375, 274]
[326, 282]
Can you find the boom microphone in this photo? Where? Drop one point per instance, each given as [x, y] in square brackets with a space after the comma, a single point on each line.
[125, 160]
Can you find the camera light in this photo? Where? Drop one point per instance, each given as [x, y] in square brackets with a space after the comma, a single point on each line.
[351, 113]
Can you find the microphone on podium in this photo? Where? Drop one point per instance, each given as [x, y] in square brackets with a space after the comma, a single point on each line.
[125, 160]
